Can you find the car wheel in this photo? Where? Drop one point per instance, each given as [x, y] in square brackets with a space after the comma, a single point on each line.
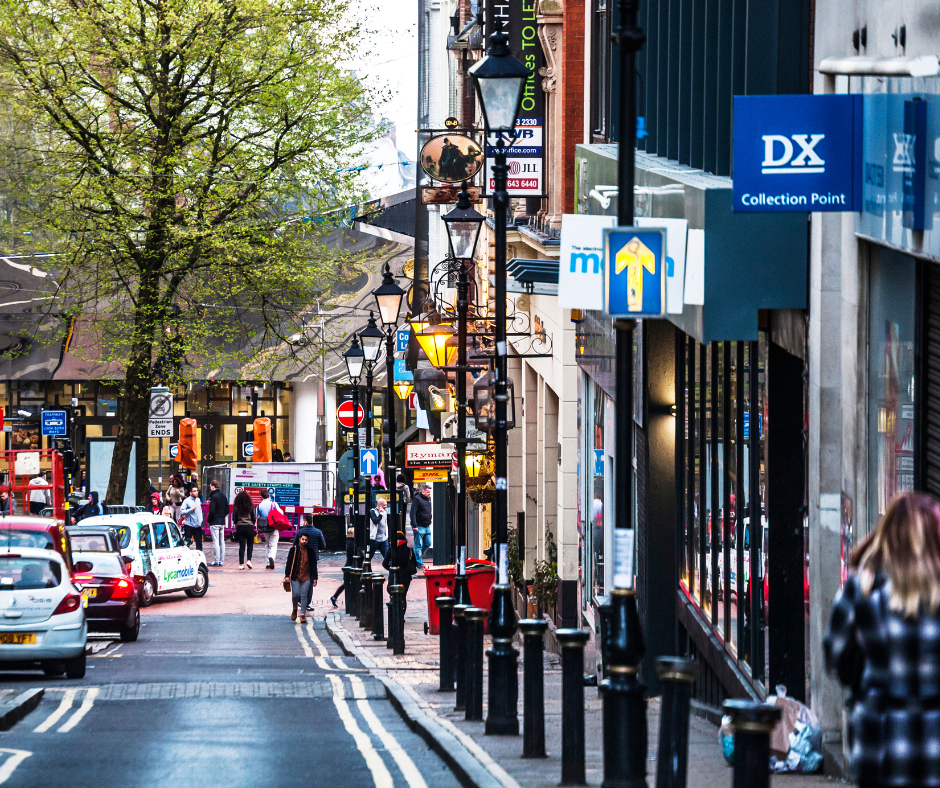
[148, 591]
[75, 667]
[129, 633]
[56, 668]
[202, 583]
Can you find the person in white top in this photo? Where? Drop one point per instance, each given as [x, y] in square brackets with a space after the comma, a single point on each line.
[39, 499]
[264, 509]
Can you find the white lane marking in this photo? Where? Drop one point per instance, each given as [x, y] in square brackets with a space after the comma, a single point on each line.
[308, 652]
[87, 702]
[57, 715]
[10, 764]
[408, 769]
[314, 639]
[380, 774]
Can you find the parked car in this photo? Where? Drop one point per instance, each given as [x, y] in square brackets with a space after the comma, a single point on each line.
[42, 619]
[160, 560]
[109, 591]
[46, 533]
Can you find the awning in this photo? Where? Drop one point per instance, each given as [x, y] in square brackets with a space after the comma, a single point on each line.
[532, 276]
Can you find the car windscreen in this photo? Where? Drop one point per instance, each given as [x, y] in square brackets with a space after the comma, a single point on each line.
[14, 537]
[101, 563]
[19, 573]
[90, 543]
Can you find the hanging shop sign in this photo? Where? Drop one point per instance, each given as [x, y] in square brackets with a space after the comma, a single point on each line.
[452, 158]
[428, 455]
[431, 475]
[798, 153]
[400, 370]
[447, 195]
[451, 123]
[525, 159]
[634, 275]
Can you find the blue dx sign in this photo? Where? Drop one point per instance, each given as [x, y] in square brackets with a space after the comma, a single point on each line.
[797, 153]
[634, 275]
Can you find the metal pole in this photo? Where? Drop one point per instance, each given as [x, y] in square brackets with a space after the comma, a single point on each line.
[572, 705]
[625, 743]
[357, 558]
[503, 680]
[365, 585]
[378, 609]
[159, 469]
[461, 586]
[752, 723]
[672, 760]
[533, 687]
[391, 476]
[474, 664]
[445, 615]
[396, 611]
[460, 656]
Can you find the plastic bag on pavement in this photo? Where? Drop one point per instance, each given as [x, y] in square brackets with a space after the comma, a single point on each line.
[798, 731]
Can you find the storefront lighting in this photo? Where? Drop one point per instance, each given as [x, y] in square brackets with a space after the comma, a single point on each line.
[439, 344]
[475, 464]
[403, 388]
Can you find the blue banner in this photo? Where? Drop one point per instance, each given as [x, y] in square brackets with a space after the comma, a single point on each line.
[798, 153]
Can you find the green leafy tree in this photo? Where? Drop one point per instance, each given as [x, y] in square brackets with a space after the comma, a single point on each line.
[186, 162]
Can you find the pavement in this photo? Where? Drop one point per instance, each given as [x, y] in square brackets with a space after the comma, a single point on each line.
[413, 680]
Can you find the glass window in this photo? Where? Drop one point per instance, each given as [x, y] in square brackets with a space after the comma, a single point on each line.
[13, 537]
[176, 538]
[124, 535]
[161, 535]
[600, 70]
[145, 541]
[890, 378]
[598, 460]
[103, 563]
[90, 543]
[24, 573]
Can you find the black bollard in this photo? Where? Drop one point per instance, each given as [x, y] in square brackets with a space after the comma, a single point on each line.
[445, 615]
[395, 611]
[365, 599]
[752, 723]
[572, 705]
[460, 656]
[474, 616]
[390, 643]
[677, 675]
[378, 609]
[355, 575]
[347, 589]
[533, 688]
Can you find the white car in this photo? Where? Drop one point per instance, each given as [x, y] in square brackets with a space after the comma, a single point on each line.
[162, 563]
[42, 618]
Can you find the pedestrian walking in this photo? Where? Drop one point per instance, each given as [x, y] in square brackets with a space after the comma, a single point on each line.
[91, 509]
[39, 499]
[407, 567]
[273, 522]
[421, 516]
[217, 515]
[243, 513]
[350, 553]
[191, 517]
[302, 576]
[175, 494]
[883, 643]
[378, 527]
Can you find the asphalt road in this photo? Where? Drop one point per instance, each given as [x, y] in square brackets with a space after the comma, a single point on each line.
[216, 700]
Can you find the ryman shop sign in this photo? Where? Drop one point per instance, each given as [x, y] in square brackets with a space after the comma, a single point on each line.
[797, 153]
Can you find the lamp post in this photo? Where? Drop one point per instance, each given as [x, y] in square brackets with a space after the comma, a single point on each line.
[499, 80]
[625, 744]
[371, 339]
[388, 297]
[355, 358]
[463, 225]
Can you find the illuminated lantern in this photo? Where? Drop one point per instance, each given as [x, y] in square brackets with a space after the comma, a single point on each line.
[262, 444]
[187, 444]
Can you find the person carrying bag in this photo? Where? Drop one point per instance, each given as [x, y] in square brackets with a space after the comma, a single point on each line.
[301, 576]
[243, 514]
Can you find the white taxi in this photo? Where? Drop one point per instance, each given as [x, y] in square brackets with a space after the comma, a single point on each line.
[42, 618]
[161, 561]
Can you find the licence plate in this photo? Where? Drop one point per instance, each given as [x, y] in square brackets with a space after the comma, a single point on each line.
[89, 592]
[18, 638]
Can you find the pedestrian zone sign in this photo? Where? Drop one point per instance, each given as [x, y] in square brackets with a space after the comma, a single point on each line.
[634, 272]
[368, 462]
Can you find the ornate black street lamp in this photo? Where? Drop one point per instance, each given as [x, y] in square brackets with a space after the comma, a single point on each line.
[355, 358]
[371, 339]
[499, 79]
[463, 225]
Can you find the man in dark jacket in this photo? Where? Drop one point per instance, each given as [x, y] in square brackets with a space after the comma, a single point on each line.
[315, 540]
[421, 522]
[218, 514]
[407, 568]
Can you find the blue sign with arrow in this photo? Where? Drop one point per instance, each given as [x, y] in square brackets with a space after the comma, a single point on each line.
[368, 462]
[634, 272]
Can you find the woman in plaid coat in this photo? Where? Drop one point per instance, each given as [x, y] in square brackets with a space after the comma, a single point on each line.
[884, 644]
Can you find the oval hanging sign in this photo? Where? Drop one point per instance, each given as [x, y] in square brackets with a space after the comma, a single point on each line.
[451, 158]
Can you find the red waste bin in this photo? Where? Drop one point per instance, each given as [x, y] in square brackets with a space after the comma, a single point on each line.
[481, 577]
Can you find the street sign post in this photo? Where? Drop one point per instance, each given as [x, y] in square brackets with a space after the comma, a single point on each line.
[344, 415]
[368, 462]
[160, 418]
[634, 275]
[54, 423]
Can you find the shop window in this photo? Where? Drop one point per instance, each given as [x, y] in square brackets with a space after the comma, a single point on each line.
[283, 401]
[891, 325]
[600, 70]
[599, 461]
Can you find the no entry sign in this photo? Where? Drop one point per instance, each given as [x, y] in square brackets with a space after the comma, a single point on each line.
[344, 415]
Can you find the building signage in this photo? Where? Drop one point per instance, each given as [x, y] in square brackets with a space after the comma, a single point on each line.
[580, 266]
[525, 174]
[797, 153]
[401, 340]
[54, 423]
[451, 158]
[634, 276]
[431, 475]
[400, 371]
[428, 455]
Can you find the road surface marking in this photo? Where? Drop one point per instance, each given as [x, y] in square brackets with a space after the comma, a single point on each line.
[314, 639]
[57, 715]
[10, 764]
[408, 769]
[380, 773]
[87, 702]
[308, 652]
